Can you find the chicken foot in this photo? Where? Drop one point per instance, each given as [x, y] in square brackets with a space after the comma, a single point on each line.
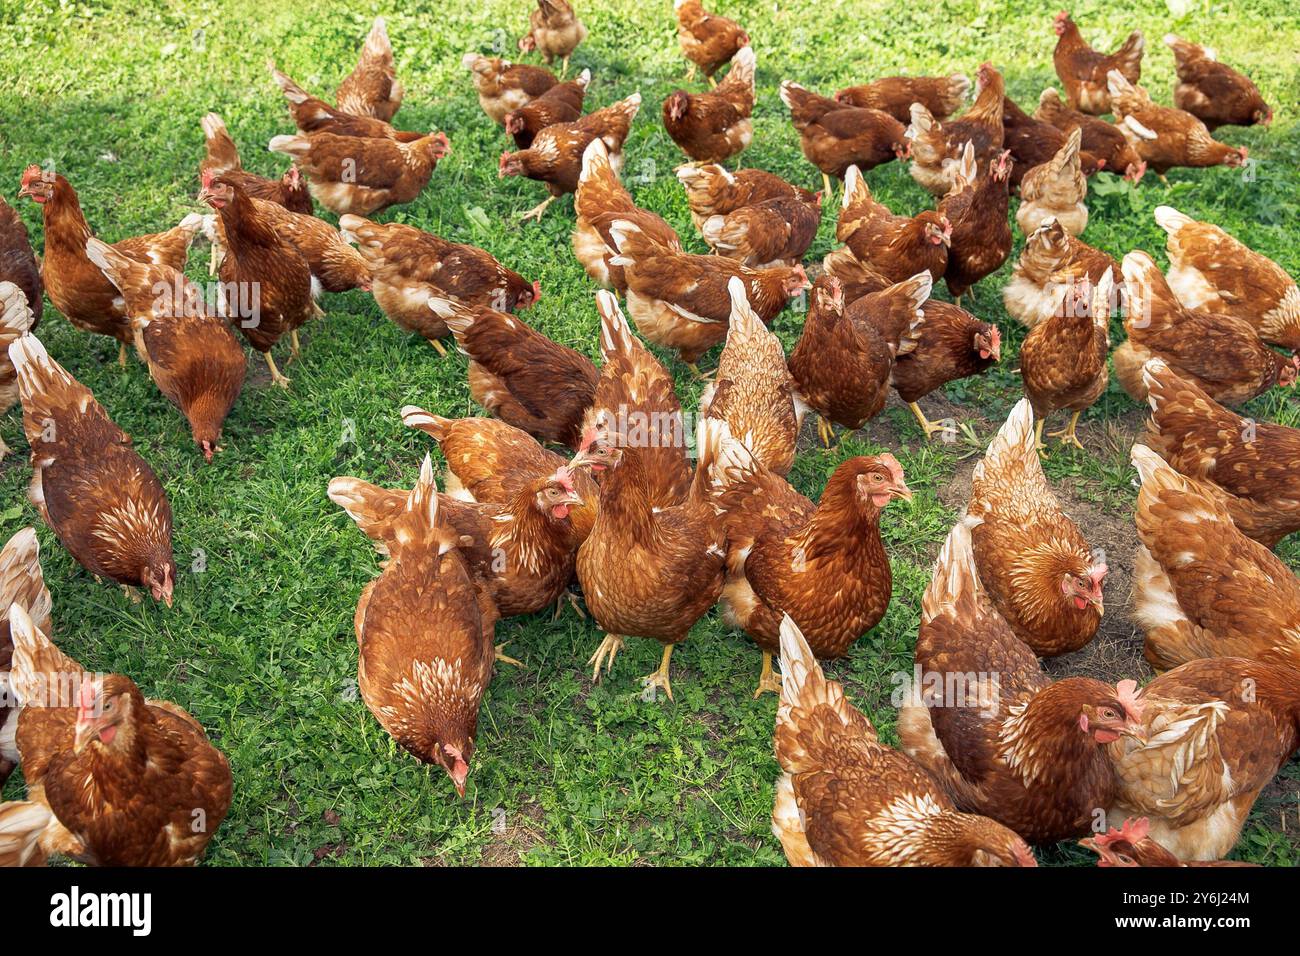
[276, 377]
[930, 428]
[500, 652]
[536, 211]
[1067, 434]
[605, 654]
[825, 431]
[660, 677]
[568, 597]
[768, 680]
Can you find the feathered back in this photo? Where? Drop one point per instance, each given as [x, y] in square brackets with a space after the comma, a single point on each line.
[808, 699]
[1013, 448]
[417, 528]
[41, 673]
[1149, 304]
[22, 824]
[954, 586]
[21, 581]
[41, 380]
[15, 314]
[741, 75]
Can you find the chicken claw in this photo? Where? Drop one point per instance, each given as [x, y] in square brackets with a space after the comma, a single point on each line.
[825, 431]
[930, 428]
[702, 376]
[660, 677]
[768, 680]
[606, 653]
[572, 599]
[499, 650]
[276, 377]
[536, 211]
[1067, 434]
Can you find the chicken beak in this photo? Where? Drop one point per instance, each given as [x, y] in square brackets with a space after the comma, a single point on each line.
[26, 190]
[573, 501]
[85, 732]
[900, 490]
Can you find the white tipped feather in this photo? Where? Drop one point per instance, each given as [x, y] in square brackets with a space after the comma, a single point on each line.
[1138, 129]
[1171, 220]
[289, 145]
[15, 314]
[855, 187]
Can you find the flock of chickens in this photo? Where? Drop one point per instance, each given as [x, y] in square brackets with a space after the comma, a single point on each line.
[995, 755]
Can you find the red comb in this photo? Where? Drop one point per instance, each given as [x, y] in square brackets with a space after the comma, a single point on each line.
[207, 178]
[31, 174]
[1126, 691]
[86, 700]
[564, 477]
[1135, 831]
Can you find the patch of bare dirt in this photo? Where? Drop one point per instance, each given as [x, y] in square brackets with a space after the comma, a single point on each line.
[514, 833]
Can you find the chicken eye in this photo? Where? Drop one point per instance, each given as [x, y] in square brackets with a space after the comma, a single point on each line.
[1108, 714]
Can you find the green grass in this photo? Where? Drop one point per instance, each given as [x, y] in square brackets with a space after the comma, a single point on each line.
[260, 647]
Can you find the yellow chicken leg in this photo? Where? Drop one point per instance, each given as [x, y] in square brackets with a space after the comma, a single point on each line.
[767, 680]
[500, 649]
[605, 654]
[927, 426]
[825, 431]
[1067, 434]
[295, 347]
[695, 370]
[568, 597]
[564, 67]
[276, 377]
[438, 347]
[660, 677]
[1038, 438]
[690, 74]
[536, 211]
[827, 193]
[121, 354]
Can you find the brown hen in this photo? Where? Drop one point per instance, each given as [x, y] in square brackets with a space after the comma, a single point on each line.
[127, 781]
[998, 734]
[89, 484]
[846, 799]
[1032, 559]
[823, 565]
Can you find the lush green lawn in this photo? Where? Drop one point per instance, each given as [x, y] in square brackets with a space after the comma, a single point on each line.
[260, 647]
